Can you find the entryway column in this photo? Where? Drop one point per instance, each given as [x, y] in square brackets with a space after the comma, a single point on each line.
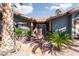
[50, 25]
[31, 25]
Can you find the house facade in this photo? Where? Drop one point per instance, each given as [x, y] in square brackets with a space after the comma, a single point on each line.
[19, 21]
[68, 22]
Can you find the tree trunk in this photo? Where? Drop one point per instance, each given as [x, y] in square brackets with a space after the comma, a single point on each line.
[8, 39]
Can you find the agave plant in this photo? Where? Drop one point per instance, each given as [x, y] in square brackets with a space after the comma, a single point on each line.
[44, 46]
[60, 40]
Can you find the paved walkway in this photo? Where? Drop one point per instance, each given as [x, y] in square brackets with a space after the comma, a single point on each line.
[25, 50]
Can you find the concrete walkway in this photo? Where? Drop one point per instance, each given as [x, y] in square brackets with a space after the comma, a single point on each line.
[25, 50]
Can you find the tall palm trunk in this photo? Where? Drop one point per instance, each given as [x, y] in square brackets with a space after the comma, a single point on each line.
[8, 39]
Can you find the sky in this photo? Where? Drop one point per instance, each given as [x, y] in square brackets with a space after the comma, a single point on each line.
[44, 10]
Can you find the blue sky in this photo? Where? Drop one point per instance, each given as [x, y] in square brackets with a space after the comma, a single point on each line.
[40, 10]
[45, 10]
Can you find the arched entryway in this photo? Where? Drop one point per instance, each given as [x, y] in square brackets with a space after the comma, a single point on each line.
[42, 25]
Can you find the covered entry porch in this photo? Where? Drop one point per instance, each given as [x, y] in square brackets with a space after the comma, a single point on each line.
[42, 23]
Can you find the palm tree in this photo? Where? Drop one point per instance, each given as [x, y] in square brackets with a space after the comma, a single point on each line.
[60, 40]
[8, 39]
[58, 11]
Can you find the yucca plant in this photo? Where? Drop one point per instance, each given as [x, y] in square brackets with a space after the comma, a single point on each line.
[60, 40]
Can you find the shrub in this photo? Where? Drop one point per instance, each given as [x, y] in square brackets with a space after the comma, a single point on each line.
[21, 32]
[60, 39]
[29, 32]
[18, 32]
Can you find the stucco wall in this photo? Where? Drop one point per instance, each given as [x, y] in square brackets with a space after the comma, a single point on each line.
[60, 24]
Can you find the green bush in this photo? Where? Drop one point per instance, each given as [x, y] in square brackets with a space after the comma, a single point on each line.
[60, 39]
[21, 32]
[29, 32]
[18, 32]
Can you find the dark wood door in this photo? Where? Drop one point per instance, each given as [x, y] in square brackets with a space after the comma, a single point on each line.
[42, 26]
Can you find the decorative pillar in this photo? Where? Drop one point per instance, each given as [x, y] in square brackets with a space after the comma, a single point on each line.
[50, 25]
[31, 25]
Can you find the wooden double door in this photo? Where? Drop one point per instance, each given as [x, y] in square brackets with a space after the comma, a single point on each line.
[43, 26]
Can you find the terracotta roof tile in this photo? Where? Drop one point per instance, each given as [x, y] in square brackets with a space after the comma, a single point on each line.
[40, 19]
[64, 14]
[74, 10]
[57, 16]
[47, 19]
